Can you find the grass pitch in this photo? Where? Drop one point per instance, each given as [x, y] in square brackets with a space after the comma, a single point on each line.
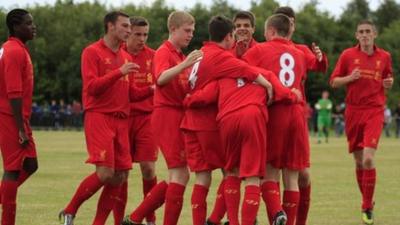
[335, 196]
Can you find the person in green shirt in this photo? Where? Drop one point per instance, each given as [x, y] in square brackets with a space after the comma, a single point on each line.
[324, 108]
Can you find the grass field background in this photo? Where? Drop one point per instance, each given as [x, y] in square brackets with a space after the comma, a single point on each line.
[335, 196]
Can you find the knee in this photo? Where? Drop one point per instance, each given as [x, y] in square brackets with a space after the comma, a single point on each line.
[359, 163]
[304, 178]
[30, 165]
[119, 177]
[106, 176]
[180, 175]
[368, 162]
[203, 178]
[31, 169]
[148, 171]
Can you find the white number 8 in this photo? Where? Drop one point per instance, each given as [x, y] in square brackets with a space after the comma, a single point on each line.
[287, 69]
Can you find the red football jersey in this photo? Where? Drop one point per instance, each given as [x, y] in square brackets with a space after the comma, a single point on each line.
[16, 76]
[142, 79]
[367, 91]
[282, 58]
[173, 93]
[217, 63]
[105, 89]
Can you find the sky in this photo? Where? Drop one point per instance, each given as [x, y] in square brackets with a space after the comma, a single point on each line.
[334, 7]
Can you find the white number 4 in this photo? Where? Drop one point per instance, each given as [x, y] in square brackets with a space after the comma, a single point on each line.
[286, 75]
[193, 75]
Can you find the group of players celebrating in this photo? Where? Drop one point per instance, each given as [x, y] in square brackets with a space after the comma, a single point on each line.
[235, 105]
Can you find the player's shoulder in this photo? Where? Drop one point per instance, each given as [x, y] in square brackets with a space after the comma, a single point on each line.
[11, 48]
[383, 52]
[126, 54]
[149, 49]
[92, 47]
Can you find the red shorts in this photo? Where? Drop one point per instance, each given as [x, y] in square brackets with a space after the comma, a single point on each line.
[363, 128]
[203, 150]
[107, 141]
[243, 136]
[12, 152]
[288, 143]
[165, 124]
[143, 147]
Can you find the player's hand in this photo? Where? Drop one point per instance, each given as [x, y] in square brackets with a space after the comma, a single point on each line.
[193, 57]
[241, 47]
[298, 94]
[270, 91]
[387, 83]
[23, 138]
[317, 51]
[129, 67]
[355, 75]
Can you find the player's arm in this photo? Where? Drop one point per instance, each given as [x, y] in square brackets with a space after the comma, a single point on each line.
[203, 97]
[137, 94]
[320, 60]
[13, 59]
[339, 76]
[167, 75]
[97, 83]
[388, 80]
[340, 81]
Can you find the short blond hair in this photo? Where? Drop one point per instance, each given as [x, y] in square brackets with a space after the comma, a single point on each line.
[179, 18]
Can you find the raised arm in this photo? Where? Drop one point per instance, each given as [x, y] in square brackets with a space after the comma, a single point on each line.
[168, 74]
[96, 83]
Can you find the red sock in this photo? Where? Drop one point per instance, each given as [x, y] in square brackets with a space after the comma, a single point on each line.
[359, 174]
[9, 196]
[173, 203]
[154, 199]
[250, 204]
[23, 176]
[120, 204]
[199, 204]
[219, 206]
[290, 204]
[232, 199]
[86, 189]
[147, 186]
[369, 180]
[304, 205]
[272, 198]
[106, 203]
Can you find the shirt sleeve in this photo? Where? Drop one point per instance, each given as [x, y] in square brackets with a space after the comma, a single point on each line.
[137, 94]
[312, 62]
[388, 71]
[202, 97]
[161, 62]
[14, 61]
[252, 56]
[96, 83]
[339, 70]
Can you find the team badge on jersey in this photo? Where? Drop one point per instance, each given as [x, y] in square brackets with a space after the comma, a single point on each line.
[107, 61]
[148, 64]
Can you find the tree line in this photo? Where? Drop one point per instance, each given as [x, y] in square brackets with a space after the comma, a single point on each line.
[66, 27]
